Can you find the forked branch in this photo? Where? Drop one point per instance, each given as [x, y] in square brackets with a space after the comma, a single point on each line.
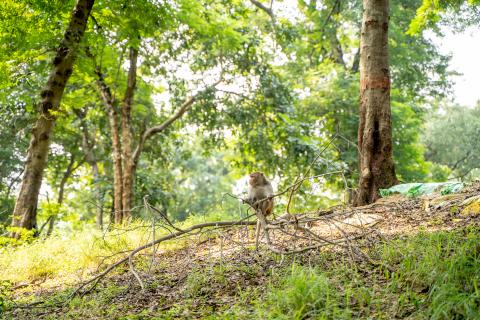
[186, 105]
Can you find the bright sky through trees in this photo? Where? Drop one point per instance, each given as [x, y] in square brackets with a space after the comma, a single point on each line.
[464, 48]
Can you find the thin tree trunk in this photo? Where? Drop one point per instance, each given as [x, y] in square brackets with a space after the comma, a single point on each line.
[98, 196]
[61, 190]
[125, 156]
[116, 145]
[127, 143]
[111, 216]
[336, 51]
[375, 128]
[25, 212]
[356, 62]
[88, 145]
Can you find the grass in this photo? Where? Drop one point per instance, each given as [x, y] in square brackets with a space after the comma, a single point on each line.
[69, 258]
[304, 293]
[64, 258]
[436, 277]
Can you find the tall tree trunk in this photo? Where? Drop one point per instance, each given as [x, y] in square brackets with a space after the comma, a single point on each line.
[356, 62]
[127, 143]
[125, 156]
[98, 196]
[110, 104]
[88, 146]
[25, 212]
[336, 52]
[375, 128]
[61, 190]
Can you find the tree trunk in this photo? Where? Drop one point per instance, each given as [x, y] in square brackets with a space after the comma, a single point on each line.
[125, 157]
[336, 52]
[88, 146]
[98, 196]
[356, 62]
[375, 128]
[25, 212]
[127, 143]
[116, 146]
[122, 141]
[61, 190]
[111, 216]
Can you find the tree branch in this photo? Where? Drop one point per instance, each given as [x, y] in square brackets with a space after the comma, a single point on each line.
[262, 7]
[157, 241]
[159, 128]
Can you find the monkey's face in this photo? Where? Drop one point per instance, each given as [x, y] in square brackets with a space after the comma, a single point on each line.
[257, 179]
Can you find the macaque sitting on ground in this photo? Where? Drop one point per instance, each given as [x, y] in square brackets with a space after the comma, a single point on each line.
[260, 197]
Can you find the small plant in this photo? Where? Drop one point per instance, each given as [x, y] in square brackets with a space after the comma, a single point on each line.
[195, 283]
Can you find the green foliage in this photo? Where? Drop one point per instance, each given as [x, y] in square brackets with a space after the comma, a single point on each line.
[289, 85]
[458, 12]
[24, 236]
[451, 138]
[14, 124]
[418, 69]
[5, 295]
[408, 153]
[190, 184]
[328, 88]
[29, 30]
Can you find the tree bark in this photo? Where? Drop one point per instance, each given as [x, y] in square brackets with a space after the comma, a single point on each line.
[126, 157]
[356, 62]
[88, 146]
[127, 143]
[98, 196]
[25, 212]
[122, 141]
[336, 51]
[109, 103]
[375, 128]
[61, 190]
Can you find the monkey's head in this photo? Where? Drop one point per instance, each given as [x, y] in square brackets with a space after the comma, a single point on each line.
[257, 179]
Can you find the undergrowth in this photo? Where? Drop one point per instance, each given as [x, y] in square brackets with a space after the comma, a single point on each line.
[435, 276]
[70, 258]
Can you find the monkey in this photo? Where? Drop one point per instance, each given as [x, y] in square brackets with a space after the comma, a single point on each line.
[260, 189]
[260, 197]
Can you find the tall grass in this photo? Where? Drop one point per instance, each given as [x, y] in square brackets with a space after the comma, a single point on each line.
[72, 256]
[66, 258]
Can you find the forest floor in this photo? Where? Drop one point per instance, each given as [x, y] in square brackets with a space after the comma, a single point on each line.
[423, 264]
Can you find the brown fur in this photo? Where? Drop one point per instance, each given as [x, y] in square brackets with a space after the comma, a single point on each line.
[260, 189]
[260, 193]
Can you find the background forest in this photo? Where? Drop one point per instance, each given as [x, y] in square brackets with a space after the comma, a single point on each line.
[289, 85]
[172, 104]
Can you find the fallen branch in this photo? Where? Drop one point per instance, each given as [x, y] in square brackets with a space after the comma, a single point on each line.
[98, 277]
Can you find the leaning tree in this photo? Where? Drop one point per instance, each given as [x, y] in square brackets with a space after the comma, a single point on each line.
[25, 212]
